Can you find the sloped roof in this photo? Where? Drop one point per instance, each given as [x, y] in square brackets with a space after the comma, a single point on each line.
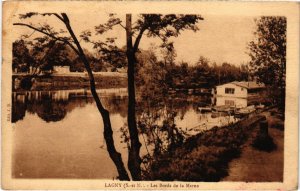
[247, 85]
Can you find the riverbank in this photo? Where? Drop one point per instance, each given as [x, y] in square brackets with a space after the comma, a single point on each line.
[207, 155]
[259, 166]
[68, 82]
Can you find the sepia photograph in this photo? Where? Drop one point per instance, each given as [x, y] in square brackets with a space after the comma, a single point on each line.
[162, 99]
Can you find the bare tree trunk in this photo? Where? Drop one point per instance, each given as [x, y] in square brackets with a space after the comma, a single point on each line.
[108, 133]
[134, 160]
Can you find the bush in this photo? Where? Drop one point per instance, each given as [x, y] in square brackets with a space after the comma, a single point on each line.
[264, 144]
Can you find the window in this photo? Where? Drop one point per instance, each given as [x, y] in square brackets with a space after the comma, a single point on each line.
[229, 102]
[229, 90]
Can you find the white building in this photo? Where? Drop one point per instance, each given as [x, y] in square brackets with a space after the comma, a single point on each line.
[238, 94]
[61, 69]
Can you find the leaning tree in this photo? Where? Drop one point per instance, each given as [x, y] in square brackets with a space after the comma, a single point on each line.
[71, 40]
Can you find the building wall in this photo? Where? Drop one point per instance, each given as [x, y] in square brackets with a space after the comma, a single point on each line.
[61, 69]
[232, 101]
[239, 92]
[240, 97]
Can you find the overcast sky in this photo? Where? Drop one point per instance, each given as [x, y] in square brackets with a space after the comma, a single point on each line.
[220, 39]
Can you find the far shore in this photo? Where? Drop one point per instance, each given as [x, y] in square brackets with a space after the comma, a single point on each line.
[63, 82]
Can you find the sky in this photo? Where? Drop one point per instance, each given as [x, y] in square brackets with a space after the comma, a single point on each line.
[220, 38]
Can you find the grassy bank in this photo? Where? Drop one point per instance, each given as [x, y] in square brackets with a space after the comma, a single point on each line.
[205, 156]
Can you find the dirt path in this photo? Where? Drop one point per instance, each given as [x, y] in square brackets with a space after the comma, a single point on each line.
[259, 166]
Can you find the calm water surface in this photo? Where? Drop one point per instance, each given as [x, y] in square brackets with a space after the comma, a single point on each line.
[59, 134]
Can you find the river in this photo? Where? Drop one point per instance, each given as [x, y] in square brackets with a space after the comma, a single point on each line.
[59, 134]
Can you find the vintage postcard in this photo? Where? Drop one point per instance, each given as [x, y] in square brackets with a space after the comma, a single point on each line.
[141, 95]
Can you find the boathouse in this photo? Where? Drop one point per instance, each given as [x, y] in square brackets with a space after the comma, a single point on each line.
[239, 94]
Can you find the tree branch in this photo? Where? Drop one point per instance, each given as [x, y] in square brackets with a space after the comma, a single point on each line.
[58, 16]
[138, 39]
[48, 34]
[28, 36]
[122, 26]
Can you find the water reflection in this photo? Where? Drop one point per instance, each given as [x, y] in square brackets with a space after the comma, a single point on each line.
[59, 134]
[54, 105]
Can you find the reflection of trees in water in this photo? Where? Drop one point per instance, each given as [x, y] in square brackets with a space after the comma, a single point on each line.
[179, 103]
[18, 110]
[49, 108]
[116, 104]
[52, 111]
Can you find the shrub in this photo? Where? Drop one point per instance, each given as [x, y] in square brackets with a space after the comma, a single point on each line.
[264, 143]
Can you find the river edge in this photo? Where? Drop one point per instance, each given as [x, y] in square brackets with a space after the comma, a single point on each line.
[207, 156]
[51, 83]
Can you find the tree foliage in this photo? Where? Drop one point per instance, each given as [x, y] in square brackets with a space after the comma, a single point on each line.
[268, 54]
[42, 53]
[268, 51]
[21, 56]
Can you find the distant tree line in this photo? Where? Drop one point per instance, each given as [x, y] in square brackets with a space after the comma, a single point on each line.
[156, 75]
[41, 54]
[152, 72]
